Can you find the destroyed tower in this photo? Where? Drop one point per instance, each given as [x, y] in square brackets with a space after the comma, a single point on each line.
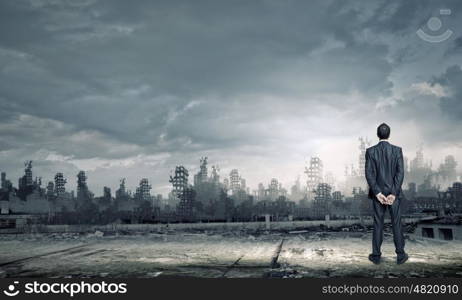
[273, 189]
[202, 175]
[143, 191]
[60, 183]
[25, 182]
[322, 200]
[314, 173]
[215, 177]
[184, 192]
[364, 143]
[83, 194]
[121, 192]
[234, 181]
[50, 190]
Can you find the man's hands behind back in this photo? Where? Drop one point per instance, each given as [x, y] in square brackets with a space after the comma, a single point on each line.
[390, 199]
[386, 200]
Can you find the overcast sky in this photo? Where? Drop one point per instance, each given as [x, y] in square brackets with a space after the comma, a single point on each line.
[133, 88]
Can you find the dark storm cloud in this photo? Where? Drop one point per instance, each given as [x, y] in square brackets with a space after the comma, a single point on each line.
[94, 81]
[451, 105]
[457, 44]
[122, 68]
[435, 106]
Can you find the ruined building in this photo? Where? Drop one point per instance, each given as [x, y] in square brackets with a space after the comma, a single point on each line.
[234, 181]
[123, 199]
[419, 169]
[28, 198]
[321, 201]
[446, 173]
[273, 192]
[3, 186]
[184, 192]
[50, 190]
[207, 189]
[143, 191]
[215, 177]
[314, 175]
[107, 193]
[60, 182]
[121, 192]
[26, 185]
[364, 143]
[202, 175]
[243, 184]
[83, 193]
[6, 184]
[226, 184]
[451, 199]
[296, 191]
[355, 176]
[238, 187]
[105, 201]
[26, 180]
[273, 189]
[261, 192]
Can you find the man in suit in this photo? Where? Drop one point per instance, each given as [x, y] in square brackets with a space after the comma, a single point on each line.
[385, 175]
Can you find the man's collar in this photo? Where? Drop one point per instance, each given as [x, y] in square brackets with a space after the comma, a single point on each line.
[383, 141]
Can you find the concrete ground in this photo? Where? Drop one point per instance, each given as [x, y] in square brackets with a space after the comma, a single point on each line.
[228, 254]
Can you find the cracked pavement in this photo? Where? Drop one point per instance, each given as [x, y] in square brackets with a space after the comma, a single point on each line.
[215, 254]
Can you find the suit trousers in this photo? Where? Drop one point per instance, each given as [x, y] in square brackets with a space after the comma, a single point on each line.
[377, 235]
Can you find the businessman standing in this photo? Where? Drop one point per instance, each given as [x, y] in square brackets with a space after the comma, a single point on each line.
[385, 175]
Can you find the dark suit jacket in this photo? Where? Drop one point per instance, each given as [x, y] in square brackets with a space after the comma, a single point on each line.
[384, 169]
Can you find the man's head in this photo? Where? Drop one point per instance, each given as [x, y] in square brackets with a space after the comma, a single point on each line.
[383, 131]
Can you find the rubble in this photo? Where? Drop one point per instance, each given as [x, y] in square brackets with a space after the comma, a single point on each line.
[237, 254]
[96, 234]
[298, 231]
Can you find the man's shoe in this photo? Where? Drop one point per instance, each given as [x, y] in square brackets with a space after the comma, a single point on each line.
[402, 259]
[375, 259]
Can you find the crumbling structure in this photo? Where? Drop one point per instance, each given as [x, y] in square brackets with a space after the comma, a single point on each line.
[234, 181]
[321, 200]
[215, 176]
[315, 175]
[6, 184]
[27, 179]
[451, 199]
[419, 169]
[123, 199]
[364, 143]
[184, 192]
[50, 190]
[202, 175]
[143, 191]
[121, 192]
[273, 189]
[83, 194]
[296, 191]
[3, 180]
[60, 184]
[355, 176]
[26, 185]
[107, 193]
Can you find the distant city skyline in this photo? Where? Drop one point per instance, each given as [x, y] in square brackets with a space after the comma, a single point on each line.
[339, 182]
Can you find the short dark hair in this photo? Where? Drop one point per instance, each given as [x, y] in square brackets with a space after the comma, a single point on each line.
[383, 131]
